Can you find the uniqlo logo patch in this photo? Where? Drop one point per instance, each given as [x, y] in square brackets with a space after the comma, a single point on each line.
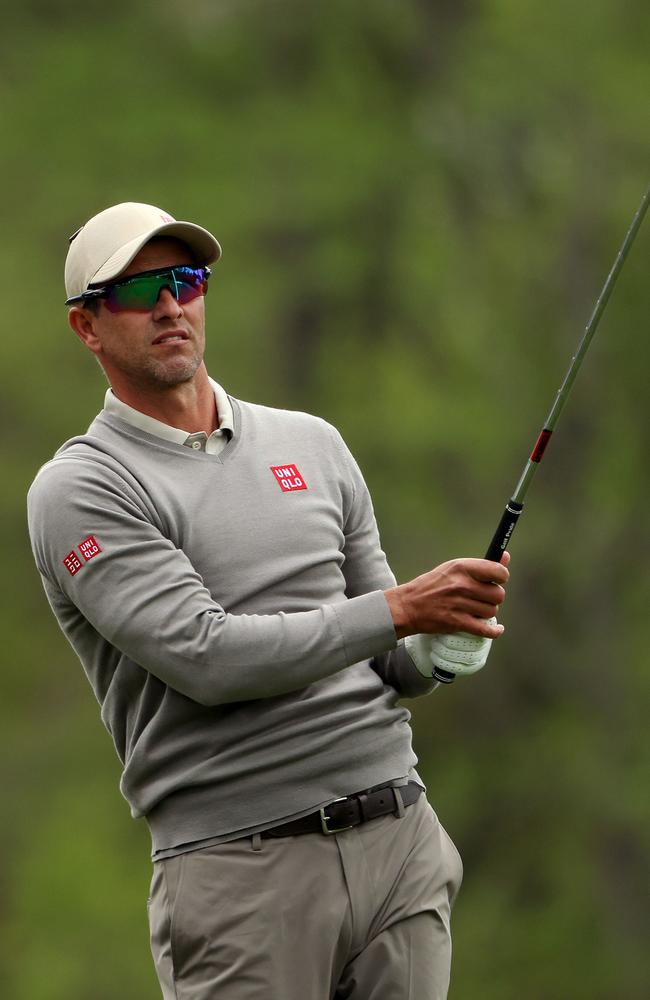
[89, 547]
[72, 563]
[288, 477]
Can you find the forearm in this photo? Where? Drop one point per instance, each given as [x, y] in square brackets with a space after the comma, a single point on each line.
[216, 658]
[184, 638]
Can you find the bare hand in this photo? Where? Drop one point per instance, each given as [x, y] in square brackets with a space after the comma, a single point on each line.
[456, 596]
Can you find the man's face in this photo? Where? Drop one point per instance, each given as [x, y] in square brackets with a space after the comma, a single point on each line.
[163, 347]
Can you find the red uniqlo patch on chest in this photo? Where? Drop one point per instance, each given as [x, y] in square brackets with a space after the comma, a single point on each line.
[72, 563]
[288, 477]
[89, 547]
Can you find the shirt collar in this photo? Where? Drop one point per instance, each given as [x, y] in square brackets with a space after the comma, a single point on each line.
[159, 429]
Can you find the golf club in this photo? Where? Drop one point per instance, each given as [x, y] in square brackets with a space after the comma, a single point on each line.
[515, 504]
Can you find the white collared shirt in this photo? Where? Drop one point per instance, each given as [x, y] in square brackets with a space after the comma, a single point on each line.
[199, 440]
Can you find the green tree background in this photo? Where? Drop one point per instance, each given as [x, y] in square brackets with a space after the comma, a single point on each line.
[418, 203]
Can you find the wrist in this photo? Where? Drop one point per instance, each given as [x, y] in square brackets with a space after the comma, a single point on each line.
[399, 611]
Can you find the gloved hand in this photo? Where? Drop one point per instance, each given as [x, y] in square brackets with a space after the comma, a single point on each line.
[454, 653]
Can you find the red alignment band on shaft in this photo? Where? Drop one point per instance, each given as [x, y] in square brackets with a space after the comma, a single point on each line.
[540, 447]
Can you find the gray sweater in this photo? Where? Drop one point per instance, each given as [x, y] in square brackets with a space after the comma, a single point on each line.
[228, 612]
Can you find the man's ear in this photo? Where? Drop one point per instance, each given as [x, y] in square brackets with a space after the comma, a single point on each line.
[83, 323]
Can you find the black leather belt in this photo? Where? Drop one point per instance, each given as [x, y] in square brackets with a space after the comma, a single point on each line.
[343, 814]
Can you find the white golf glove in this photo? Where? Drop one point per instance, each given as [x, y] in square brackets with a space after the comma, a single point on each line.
[455, 653]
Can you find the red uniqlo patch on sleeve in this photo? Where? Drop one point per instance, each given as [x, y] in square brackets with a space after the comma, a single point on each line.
[288, 477]
[72, 563]
[89, 548]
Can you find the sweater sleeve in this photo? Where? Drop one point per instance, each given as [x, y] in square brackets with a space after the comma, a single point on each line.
[116, 582]
[366, 569]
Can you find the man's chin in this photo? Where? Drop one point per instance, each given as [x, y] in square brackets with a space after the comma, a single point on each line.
[174, 372]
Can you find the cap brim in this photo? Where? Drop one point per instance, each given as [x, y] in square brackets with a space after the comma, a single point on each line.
[203, 245]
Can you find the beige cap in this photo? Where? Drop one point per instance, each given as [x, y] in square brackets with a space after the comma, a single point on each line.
[108, 242]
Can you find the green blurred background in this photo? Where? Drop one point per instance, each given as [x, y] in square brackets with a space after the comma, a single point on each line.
[418, 204]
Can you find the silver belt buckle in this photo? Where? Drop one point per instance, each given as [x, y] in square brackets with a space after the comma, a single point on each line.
[324, 818]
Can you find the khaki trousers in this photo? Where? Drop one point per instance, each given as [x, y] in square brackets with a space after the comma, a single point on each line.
[360, 915]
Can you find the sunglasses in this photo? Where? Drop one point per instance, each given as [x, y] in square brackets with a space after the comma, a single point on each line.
[140, 292]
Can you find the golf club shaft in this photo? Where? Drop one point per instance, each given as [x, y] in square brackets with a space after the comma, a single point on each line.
[515, 505]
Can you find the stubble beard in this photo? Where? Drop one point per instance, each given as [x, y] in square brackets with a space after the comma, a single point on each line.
[152, 373]
[172, 371]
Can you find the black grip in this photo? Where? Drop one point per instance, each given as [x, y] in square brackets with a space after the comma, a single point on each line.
[443, 676]
[498, 545]
[502, 535]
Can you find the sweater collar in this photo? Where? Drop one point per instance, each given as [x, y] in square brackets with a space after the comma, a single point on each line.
[158, 428]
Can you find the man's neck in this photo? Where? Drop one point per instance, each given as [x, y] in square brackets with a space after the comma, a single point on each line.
[190, 406]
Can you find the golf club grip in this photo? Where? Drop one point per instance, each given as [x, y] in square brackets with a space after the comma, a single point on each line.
[504, 531]
[497, 547]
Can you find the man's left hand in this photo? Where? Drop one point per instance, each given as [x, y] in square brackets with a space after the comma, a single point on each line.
[455, 653]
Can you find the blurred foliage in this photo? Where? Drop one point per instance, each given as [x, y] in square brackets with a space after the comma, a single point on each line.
[418, 202]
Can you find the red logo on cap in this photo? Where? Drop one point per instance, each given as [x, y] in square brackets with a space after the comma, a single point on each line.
[288, 477]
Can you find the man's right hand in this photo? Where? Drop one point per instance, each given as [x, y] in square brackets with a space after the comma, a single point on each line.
[458, 596]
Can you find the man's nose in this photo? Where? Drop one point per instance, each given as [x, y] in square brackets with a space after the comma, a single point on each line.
[166, 305]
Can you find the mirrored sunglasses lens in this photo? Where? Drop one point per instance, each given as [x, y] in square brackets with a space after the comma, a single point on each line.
[188, 292]
[191, 282]
[141, 294]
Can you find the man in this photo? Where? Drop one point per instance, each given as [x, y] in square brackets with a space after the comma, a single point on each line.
[217, 568]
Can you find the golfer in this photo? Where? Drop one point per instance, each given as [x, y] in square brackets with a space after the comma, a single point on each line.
[216, 566]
